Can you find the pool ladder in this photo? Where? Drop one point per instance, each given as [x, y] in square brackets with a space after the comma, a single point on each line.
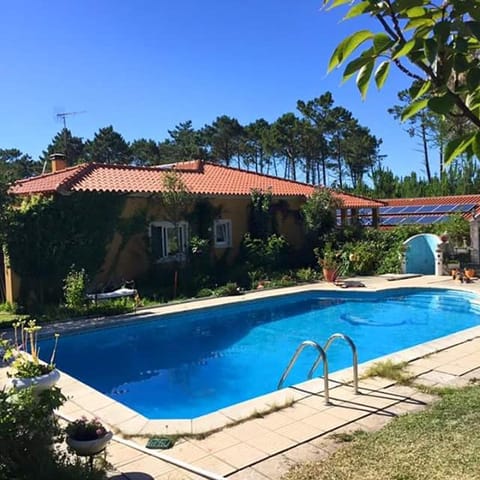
[322, 356]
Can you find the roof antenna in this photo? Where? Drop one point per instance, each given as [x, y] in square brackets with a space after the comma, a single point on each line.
[64, 116]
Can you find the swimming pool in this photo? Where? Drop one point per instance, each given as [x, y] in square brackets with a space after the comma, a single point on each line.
[190, 364]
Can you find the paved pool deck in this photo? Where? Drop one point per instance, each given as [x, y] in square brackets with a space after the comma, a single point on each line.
[251, 445]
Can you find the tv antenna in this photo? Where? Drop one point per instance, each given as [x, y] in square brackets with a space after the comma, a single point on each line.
[63, 116]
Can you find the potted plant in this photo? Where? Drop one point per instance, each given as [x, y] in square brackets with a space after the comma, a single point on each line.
[26, 368]
[87, 437]
[330, 262]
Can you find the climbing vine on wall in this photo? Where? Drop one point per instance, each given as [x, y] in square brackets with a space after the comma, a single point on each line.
[47, 235]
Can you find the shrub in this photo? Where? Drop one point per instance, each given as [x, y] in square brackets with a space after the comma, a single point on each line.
[74, 289]
[361, 258]
[29, 432]
[283, 281]
[205, 292]
[230, 288]
[269, 254]
[306, 274]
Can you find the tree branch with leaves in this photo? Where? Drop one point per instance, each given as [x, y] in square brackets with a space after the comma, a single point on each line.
[436, 44]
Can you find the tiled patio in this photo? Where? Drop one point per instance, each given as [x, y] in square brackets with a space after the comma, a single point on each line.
[266, 446]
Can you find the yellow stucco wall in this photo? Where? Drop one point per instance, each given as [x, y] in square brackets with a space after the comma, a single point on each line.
[130, 260]
[12, 285]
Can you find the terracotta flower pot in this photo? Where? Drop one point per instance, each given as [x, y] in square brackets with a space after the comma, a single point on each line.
[330, 274]
[470, 272]
[86, 448]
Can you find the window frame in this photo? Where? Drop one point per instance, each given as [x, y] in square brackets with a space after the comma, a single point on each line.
[227, 243]
[165, 226]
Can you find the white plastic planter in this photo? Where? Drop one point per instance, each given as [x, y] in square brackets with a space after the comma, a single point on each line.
[43, 382]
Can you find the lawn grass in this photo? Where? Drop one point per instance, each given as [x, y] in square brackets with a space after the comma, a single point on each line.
[442, 442]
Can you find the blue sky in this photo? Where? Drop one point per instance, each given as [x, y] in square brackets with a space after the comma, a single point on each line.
[147, 65]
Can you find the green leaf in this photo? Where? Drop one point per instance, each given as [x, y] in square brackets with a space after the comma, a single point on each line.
[358, 9]
[473, 78]
[401, 5]
[335, 3]
[347, 46]
[474, 28]
[381, 42]
[413, 108]
[458, 146]
[363, 78]
[473, 99]
[415, 12]
[476, 145]
[405, 49]
[381, 73]
[419, 88]
[418, 23]
[356, 65]
[430, 47]
[442, 104]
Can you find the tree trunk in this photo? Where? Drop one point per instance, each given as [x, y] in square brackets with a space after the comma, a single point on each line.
[425, 154]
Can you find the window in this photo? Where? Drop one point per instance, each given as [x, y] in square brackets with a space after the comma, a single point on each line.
[168, 242]
[222, 230]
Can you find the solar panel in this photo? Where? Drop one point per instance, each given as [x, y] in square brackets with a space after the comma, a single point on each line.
[427, 219]
[385, 220]
[465, 207]
[395, 210]
[397, 220]
[442, 218]
[445, 208]
[411, 209]
[384, 210]
[426, 209]
[411, 219]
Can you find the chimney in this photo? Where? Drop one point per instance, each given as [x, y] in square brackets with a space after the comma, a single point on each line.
[59, 162]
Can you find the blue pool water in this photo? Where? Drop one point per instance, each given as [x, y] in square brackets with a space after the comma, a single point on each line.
[189, 364]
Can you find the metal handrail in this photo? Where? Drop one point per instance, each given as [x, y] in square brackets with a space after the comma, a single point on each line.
[321, 356]
[331, 339]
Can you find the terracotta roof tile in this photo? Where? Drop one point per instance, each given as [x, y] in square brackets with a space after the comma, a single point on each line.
[446, 200]
[47, 183]
[201, 178]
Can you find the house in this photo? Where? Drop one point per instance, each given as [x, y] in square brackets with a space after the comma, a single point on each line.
[223, 193]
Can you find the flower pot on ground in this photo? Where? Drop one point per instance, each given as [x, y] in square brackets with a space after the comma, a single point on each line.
[330, 261]
[470, 272]
[87, 437]
[330, 274]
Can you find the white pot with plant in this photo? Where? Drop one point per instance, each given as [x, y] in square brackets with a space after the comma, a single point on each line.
[87, 437]
[26, 369]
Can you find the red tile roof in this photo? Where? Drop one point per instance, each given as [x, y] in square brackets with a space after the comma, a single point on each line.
[201, 178]
[48, 183]
[447, 200]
